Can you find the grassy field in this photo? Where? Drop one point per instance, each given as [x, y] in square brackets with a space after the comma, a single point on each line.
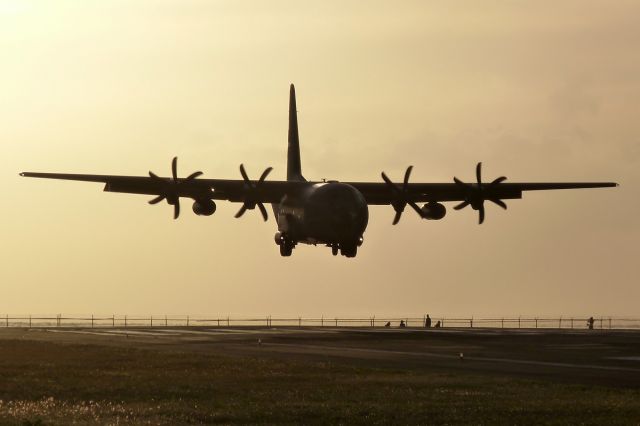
[50, 383]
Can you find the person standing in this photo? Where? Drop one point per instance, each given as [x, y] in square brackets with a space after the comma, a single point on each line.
[427, 322]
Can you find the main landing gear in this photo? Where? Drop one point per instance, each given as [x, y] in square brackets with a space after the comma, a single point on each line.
[346, 249]
[286, 245]
[349, 250]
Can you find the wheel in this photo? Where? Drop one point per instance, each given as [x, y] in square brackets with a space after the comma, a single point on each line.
[349, 250]
[286, 249]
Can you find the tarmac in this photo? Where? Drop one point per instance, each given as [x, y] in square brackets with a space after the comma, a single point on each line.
[602, 357]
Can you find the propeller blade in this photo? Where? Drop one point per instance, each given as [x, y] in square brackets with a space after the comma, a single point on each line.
[498, 180]
[396, 218]
[174, 168]
[459, 182]
[264, 174]
[391, 184]
[406, 177]
[479, 173]
[462, 205]
[157, 199]
[263, 211]
[481, 213]
[386, 179]
[415, 207]
[241, 211]
[243, 172]
[176, 208]
[192, 176]
[498, 202]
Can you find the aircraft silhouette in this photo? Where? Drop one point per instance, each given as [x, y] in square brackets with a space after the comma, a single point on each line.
[329, 213]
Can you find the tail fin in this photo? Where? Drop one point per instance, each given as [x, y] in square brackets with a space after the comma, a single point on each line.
[294, 171]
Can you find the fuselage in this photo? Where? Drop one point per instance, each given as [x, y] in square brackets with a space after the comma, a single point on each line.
[330, 213]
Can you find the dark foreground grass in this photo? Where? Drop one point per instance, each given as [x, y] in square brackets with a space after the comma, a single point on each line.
[46, 383]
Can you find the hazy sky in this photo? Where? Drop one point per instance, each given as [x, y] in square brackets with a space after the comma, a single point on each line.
[538, 91]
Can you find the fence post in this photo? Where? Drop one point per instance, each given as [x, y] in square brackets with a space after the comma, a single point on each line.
[518, 322]
[336, 321]
[299, 322]
[536, 322]
[30, 322]
[471, 322]
[151, 320]
[600, 323]
[609, 323]
[503, 322]
[572, 322]
[227, 320]
[188, 321]
[125, 321]
[113, 320]
[166, 324]
[91, 320]
[560, 322]
[7, 320]
[322, 321]
[218, 321]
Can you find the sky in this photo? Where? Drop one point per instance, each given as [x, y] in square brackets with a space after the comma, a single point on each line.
[537, 91]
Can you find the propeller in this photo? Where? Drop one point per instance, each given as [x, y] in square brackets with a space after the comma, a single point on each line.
[477, 194]
[401, 195]
[171, 191]
[252, 190]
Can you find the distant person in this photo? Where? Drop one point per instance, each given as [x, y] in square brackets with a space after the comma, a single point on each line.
[427, 322]
[402, 324]
[438, 324]
[388, 324]
[590, 322]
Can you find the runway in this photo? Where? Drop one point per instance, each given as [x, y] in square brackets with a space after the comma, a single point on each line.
[591, 356]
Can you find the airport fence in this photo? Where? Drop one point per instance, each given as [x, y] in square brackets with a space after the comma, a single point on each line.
[126, 321]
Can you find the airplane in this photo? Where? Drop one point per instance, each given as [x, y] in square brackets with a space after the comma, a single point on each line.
[328, 212]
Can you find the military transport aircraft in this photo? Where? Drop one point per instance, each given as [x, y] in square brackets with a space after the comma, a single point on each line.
[329, 212]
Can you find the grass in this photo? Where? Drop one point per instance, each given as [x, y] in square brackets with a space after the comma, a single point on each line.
[47, 383]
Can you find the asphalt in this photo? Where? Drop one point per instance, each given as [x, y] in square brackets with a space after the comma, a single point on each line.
[602, 357]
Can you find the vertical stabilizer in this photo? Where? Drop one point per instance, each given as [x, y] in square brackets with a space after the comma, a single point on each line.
[294, 171]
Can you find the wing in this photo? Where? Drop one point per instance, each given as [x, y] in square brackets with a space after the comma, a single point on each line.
[387, 192]
[273, 191]
[381, 193]
[214, 189]
[254, 193]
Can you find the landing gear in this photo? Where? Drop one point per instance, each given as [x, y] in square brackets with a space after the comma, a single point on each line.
[334, 249]
[286, 245]
[349, 250]
[286, 249]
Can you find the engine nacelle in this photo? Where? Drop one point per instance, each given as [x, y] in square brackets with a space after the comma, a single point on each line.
[433, 211]
[204, 207]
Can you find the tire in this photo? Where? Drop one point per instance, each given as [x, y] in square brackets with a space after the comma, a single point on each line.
[349, 250]
[285, 249]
